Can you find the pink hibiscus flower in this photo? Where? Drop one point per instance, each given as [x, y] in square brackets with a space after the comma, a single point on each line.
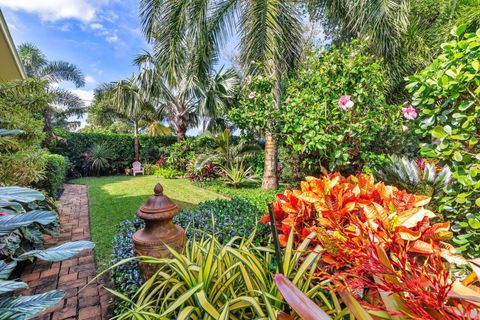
[345, 103]
[252, 95]
[409, 113]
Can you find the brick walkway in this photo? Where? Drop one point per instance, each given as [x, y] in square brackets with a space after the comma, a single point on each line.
[71, 276]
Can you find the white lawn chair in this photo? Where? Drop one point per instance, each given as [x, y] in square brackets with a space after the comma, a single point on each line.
[137, 168]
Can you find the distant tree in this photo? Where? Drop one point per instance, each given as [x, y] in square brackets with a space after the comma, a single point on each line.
[184, 98]
[126, 98]
[65, 102]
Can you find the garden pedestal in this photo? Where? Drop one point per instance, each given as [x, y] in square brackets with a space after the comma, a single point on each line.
[159, 231]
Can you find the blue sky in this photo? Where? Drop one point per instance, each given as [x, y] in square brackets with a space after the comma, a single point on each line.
[100, 36]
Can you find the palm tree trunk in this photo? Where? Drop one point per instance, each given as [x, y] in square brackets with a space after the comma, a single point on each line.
[270, 174]
[181, 132]
[136, 146]
[48, 127]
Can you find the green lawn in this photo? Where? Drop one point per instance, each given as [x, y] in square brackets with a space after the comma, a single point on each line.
[114, 199]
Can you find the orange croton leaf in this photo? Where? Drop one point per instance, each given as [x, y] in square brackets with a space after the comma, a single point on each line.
[407, 234]
[421, 247]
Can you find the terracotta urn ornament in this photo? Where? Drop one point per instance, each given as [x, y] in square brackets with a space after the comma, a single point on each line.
[159, 231]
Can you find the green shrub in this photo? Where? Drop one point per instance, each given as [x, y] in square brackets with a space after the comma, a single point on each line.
[126, 278]
[73, 145]
[168, 173]
[150, 168]
[447, 95]
[251, 192]
[341, 134]
[235, 217]
[55, 172]
[22, 104]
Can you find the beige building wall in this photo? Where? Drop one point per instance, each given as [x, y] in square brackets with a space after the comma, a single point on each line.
[10, 66]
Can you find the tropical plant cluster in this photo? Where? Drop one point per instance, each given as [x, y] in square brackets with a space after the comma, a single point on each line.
[113, 151]
[378, 243]
[225, 218]
[233, 280]
[24, 218]
[447, 95]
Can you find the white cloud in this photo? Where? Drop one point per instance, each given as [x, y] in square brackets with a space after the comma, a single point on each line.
[97, 26]
[54, 10]
[65, 27]
[112, 38]
[90, 80]
[85, 95]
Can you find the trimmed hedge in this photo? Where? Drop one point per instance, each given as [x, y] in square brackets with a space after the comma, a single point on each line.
[74, 144]
[55, 172]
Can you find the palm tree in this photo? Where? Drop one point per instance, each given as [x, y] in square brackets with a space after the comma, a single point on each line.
[126, 98]
[65, 102]
[270, 32]
[185, 98]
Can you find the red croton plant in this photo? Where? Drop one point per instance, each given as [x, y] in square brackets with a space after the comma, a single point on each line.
[379, 245]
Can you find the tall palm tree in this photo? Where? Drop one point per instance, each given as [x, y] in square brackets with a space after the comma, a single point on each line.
[185, 98]
[270, 31]
[65, 102]
[126, 98]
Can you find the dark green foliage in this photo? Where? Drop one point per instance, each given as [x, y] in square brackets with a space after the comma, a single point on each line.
[251, 192]
[447, 95]
[184, 153]
[314, 123]
[22, 104]
[235, 217]
[55, 172]
[126, 277]
[73, 146]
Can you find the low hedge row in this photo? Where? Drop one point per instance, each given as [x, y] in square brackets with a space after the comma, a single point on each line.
[74, 144]
[55, 172]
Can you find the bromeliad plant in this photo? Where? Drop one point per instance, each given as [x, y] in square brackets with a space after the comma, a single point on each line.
[420, 176]
[379, 245]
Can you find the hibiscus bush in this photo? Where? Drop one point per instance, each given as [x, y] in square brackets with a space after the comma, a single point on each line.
[379, 244]
[447, 98]
[335, 111]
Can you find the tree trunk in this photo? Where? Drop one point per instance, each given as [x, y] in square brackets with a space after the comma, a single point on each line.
[48, 128]
[136, 145]
[270, 174]
[181, 132]
[270, 179]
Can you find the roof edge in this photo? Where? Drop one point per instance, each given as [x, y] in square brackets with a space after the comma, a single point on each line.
[11, 45]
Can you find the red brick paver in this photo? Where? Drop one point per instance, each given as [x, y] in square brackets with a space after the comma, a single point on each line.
[71, 276]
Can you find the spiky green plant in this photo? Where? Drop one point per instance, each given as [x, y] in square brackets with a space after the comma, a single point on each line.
[231, 281]
[101, 158]
[236, 174]
[416, 176]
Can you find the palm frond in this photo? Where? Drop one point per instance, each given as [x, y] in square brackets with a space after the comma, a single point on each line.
[32, 58]
[68, 102]
[57, 71]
